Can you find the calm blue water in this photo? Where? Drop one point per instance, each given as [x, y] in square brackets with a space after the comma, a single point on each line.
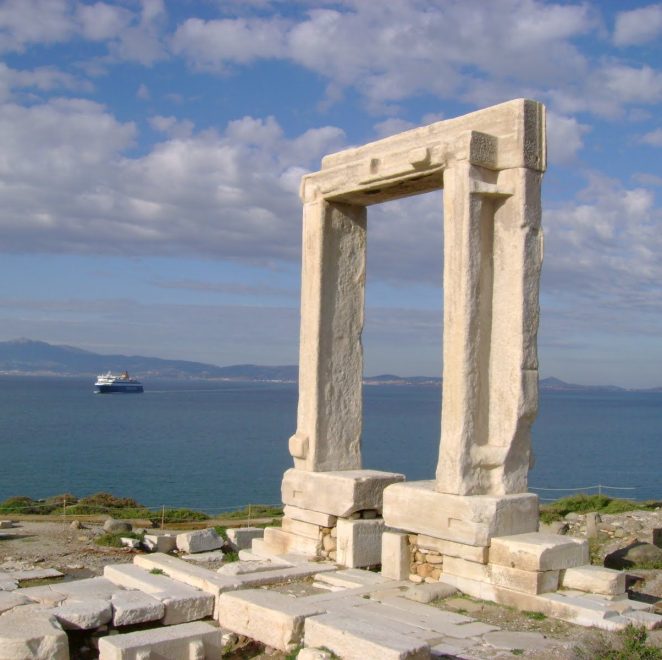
[217, 446]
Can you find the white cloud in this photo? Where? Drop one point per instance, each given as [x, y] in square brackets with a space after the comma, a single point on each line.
[564, 137]
[101, 21]
[68, 187]
[654, 138]
[26, 22]
[213, 44]
[606, 245]
[638, 26]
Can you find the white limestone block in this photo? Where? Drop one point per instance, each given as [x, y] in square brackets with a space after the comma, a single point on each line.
[182, 603]
[83, 614]
[308, 530]
[350, 578]
[205, 557]
[349, 637]
[395, 555]
[338, 493]
[466, 569]
[180, 642]
[539, 552]
[359, 542]
[10, 600]
[180, 570]
[267, 616]
[306, 515]
[95, 588]
[127, 542]
[594, 579]
[160, 542]
[253, 566]
[32, 635]
[242, 537]
[415, 506]
[279, 542]
[131, 607]
[475, 553]
[531, 582]
[44, 595]
[201, 540]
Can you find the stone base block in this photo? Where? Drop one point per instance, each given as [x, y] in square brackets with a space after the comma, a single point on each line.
[539, 552]
[359, 542]
[34, 635]
[350, 638]
[395, 555]
[530, 582]
[313, 517]
[308, 530]
[242, 537]
[279, 542]
[466, 569]
[472, 520]
[270, 617]
[594, 579]
[182, 642]
[475, 553]
[338, 493]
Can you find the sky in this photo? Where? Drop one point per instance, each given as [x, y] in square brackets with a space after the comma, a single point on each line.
[151, 153]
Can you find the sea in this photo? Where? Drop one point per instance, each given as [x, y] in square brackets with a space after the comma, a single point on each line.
[217, 446]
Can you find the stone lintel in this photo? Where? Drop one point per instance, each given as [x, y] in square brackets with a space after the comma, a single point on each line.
[338, 493]
[412, 162]
[539, 552]
[417, 507]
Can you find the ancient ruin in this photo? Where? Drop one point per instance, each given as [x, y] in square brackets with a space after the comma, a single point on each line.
[475, 527]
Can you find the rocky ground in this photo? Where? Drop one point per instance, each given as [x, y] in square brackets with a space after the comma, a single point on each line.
[51, 544]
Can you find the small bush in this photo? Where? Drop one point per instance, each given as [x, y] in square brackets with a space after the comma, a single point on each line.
[176, 516]
[582, 503]
[631, 643]
[24, 504]
[114, 539]
[255, 511]
[222, 532]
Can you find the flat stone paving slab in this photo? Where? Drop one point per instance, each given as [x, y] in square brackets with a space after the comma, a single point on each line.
[181, 642]
[352, 639]
[527, 641]
[11, 599]
[182, 602]
[83, 615]
[131, 607]
[33, 635]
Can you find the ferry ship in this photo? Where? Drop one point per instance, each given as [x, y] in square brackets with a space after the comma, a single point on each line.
[125, 384]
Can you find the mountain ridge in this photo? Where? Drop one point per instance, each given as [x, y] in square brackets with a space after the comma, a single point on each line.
[25, 356]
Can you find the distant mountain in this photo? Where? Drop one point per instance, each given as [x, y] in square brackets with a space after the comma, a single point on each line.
[25, 356]
[556, 384]
[29, 357]
[391, 379]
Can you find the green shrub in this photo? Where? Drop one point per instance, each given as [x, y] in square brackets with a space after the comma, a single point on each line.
[631, 643]
[24, 504]
[255, 511]
[176, 516]
[582, 503]
[114, 539]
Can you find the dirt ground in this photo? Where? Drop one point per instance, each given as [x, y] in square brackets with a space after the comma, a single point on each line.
[55, 544]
